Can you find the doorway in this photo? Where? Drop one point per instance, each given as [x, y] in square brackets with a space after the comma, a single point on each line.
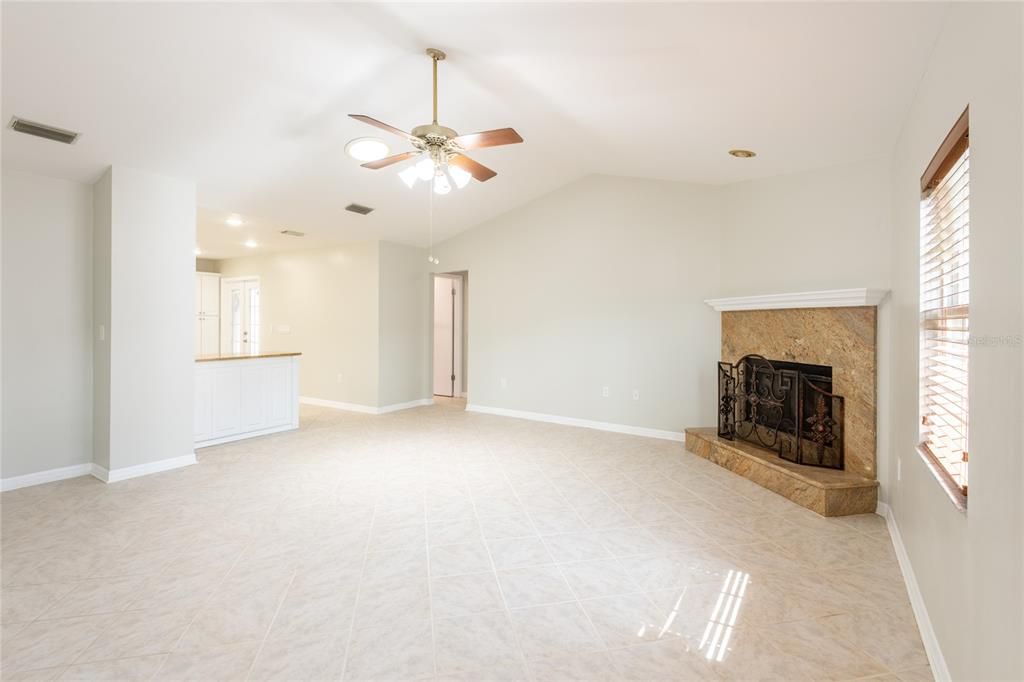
[449, 335]
[240, 318]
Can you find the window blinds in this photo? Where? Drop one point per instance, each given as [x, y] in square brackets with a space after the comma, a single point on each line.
[945, 297]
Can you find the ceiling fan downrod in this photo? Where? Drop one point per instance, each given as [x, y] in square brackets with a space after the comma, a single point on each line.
[435, 56]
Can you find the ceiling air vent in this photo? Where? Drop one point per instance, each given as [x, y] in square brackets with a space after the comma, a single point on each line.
[42, 130]
[293, 233]
[358, 208]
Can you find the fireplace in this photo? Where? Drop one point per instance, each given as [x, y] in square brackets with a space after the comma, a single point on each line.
[783, 406]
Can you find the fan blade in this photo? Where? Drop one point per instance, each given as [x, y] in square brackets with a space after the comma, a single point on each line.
[477, 170]
[383, 126]
[488, 138]
[389, 160]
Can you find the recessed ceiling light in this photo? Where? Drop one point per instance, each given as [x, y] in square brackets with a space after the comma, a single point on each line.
[742, 153]
[251, 243]
[367, 149]
[199, 252]
[235, 220]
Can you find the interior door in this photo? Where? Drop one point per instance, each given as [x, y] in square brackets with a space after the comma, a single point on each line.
[240, 316]
[444, 336]
[448, 307]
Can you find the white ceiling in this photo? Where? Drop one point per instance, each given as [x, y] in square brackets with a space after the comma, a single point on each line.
[250, 100]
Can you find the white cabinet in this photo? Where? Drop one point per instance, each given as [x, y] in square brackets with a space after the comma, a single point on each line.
[241, 398]
[207, 323]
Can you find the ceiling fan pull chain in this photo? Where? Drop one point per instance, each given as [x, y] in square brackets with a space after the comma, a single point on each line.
[430, 212]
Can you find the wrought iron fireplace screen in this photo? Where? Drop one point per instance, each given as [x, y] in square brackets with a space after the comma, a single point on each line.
[787, 407]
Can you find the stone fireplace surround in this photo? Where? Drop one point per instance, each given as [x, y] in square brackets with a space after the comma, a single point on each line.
[836, 328]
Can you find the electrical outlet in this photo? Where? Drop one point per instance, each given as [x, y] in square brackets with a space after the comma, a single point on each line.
[101, 333]
[504, 382]
[636, 394]
[899, 469]
[604, 392]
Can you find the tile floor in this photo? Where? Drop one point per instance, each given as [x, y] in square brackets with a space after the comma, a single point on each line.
[438, 544]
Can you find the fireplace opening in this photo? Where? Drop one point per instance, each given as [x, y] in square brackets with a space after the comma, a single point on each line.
[784, 406]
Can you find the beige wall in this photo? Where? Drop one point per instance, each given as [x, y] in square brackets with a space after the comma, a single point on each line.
[969, 566]
[599, 283]
[329, 300]
[405, 324]
[47, 313]
[807, 231]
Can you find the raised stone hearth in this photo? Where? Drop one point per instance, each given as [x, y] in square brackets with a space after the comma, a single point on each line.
[825, 491]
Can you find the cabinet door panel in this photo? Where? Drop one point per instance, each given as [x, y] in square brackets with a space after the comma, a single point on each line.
[210, 298]
[227, 400]
[254, 397]
[210, 336]
[203, 405]
[279, 394]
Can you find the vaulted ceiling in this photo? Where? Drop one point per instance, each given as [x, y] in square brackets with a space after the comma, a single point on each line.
[250, 100]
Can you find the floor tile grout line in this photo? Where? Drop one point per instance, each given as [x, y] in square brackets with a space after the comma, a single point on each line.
[209, 597]
[359, 588]
[430, 587]
[270, 626]
[494, 570]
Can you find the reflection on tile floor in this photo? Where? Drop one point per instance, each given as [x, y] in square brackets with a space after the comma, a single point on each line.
[438, 544]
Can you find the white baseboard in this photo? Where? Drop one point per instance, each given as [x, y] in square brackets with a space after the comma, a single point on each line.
[462, 394]
[348, 407]
[405, 406]
[199, 444]
[124, 473]
[48, 476]
[585, 423]
[365, 409]
[924, 624]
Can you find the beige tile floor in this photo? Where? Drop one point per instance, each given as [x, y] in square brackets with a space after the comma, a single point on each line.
[438, 544]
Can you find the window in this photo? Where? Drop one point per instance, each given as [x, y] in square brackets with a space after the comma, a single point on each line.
[944, 305]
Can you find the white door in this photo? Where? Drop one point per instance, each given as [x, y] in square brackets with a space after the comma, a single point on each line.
[240, 316]
[447, 336]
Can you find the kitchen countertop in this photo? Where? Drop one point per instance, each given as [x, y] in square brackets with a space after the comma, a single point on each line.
[242, 356]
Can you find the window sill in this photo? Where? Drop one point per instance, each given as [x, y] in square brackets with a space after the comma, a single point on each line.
[956, 496]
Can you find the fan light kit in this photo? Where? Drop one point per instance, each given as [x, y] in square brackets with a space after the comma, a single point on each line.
[367, 149]
[742, 153]
[439, 152]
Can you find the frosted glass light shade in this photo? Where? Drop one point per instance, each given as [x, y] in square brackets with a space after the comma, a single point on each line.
[459, 176]
[409, 176]
[425, 169]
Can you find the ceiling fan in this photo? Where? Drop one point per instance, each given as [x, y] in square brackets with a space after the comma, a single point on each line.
[441, 152]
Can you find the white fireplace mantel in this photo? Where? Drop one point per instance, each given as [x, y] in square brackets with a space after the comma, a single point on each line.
[833, 298]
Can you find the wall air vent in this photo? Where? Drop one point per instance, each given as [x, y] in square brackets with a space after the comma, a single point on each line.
[358, 208]
[43, 130]
[293, 233]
